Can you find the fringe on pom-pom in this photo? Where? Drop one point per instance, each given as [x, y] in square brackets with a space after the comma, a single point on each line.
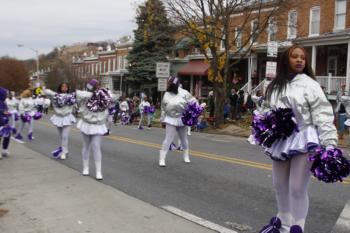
[330, 165]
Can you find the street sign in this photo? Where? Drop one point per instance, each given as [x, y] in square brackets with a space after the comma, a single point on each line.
[163, 70]
[272, 49]
[162, 84]
[271, 69]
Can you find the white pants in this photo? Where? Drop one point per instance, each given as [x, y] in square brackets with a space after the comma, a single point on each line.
[170, 132]
[13, 120]
[109, 122]
[148, 119]
[92, 143]
[31, 126]
[291, 181]
[63, 133]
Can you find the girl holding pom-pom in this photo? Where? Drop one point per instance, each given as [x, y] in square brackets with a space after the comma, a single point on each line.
[26, 109]
[12, 104]
[63, 102]
[93, 105]
[295, 88]
[173, 104]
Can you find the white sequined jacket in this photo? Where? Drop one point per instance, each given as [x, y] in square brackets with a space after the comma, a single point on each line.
[26, 105]
[64, 110]
[173, 105]
[310, 106]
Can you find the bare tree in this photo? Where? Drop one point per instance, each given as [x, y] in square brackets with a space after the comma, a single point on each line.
[212, 24]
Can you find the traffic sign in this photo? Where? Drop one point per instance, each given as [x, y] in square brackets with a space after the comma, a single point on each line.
[271, 69]
[272, 49]
[163, 70]
[162, 84]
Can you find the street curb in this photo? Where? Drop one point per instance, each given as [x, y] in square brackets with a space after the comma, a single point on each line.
[343, 223]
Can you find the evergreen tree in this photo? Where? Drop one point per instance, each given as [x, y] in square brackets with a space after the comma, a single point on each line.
[153, 40]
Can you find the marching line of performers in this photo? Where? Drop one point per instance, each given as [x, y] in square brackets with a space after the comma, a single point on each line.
[294, 123]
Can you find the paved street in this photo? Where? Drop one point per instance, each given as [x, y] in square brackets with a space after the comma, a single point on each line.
[228, 182]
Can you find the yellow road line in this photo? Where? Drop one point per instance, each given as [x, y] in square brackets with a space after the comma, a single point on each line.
[201, 154]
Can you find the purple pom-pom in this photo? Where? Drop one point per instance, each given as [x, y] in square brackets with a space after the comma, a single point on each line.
[191, 113]
[37, 116]
[329, 165]
[145, 109]
[277, 124]
[26, 118]
[5, 131]
[61, 100]
[111, 110]
[16, 117]
[99, 101]
[4, 120]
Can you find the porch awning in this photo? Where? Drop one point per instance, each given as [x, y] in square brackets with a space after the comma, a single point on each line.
[195, 67]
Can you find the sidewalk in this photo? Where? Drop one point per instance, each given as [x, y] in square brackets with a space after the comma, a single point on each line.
[40, 195]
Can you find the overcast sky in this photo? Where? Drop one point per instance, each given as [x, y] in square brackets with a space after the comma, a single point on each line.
[45, 24]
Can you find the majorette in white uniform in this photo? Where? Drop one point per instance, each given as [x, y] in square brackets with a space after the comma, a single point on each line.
[62, 118]
[173, 106]
[26, 110]
[12, 104]
[93, 107]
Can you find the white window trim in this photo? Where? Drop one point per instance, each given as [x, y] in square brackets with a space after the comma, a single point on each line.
[310, 20]
[335, 58]
[222, 43]
[289, 36]
[270, 23]
[251, 31]
[335, 28]
[238, 38]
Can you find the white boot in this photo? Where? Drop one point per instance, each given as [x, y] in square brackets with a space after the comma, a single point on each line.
[162, 156]
[63, 155]
[98, 170]
[286, 219]
[187, 156]
[5, 153]
[85, 167]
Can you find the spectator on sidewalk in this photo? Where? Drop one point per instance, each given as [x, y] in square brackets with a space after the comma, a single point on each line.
[239, 105]
[341, 112]
[233, 102]
[211, 103]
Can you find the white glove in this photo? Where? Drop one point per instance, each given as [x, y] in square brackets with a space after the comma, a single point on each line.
[330, 147]
[203, 105]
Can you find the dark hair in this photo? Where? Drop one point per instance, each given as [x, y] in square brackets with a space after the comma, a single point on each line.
[283, 76]
[60, 87]
[173, 88]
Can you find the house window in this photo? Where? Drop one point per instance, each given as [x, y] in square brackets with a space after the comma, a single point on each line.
[238, 36]
[314, 21]
[292, 24]
[120, 64]
[332, 65]
[125, 62]
[271, 30]
[223, 40]
[340, 14]
[254, 31]
[114, 64]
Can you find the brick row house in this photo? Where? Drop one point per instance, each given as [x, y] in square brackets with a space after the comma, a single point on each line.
[108, 65]
[321, 26]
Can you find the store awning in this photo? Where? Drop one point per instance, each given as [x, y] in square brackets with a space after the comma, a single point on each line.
[195, 67]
